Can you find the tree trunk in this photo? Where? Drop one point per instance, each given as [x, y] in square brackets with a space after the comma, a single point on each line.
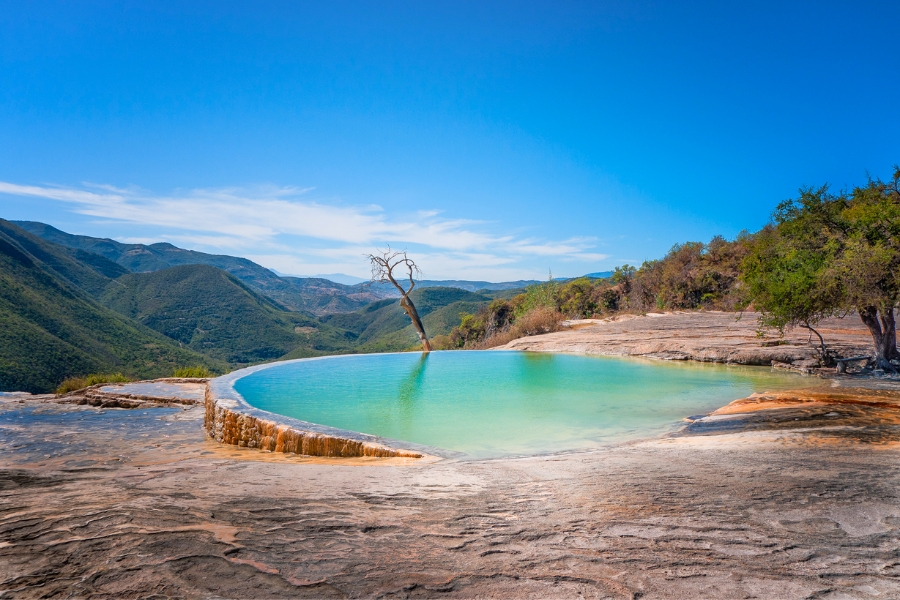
[823, 352]
[883, 327]
[889, 328]
[413, 314]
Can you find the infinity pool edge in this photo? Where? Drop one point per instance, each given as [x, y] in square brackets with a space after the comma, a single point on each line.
[230, 419]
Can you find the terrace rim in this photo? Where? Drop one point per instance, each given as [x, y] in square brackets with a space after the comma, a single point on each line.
[229, 419]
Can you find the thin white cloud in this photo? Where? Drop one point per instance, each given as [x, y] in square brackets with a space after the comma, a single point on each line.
[290, 232]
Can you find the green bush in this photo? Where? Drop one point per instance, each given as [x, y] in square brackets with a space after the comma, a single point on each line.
[79, 383]
[577, 298]
[195, 371]
[540, 319]
[541, 295]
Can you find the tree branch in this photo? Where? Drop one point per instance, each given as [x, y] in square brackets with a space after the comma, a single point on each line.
[383, 265]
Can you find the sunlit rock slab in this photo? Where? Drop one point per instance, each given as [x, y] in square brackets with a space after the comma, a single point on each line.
[708, 336]
[129, 504]
[162, 390]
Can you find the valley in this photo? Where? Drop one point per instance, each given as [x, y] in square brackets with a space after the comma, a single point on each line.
[74, 304]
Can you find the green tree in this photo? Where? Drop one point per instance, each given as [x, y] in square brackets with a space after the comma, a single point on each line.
[868, 268]
[829, 254]
[786, 282]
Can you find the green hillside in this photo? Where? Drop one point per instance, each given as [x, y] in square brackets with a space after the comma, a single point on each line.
[212, 312]
[50, 329]
[384, 327]
[89, 272]
[67, 311]
[317, 296]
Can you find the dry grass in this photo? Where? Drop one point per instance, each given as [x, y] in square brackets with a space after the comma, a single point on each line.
[535, 322]
[195, 371]
[79, 383]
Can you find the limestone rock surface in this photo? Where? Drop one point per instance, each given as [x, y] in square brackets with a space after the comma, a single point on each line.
[702, 336]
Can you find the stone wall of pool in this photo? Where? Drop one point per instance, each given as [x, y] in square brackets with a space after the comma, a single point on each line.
[229, 419]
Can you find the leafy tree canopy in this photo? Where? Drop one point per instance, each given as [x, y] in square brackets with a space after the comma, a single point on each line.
[828, 254]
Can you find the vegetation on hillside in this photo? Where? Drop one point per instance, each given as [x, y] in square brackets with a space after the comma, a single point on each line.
[50, 329]
[194, 371]
[209, 311]
[692, 275]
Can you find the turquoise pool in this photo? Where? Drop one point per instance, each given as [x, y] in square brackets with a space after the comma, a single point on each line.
[488, 404]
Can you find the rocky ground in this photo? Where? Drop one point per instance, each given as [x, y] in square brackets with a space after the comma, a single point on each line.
[708, 336]
[787, 495]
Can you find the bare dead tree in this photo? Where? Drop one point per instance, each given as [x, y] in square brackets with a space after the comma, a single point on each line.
[384, 264]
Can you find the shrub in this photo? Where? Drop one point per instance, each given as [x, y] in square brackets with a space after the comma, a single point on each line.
[576, 298]
[539, 320]
[536, 296]
[79, 383]
[440, 342]
[469, 331]
[195, 371]
[609, 298]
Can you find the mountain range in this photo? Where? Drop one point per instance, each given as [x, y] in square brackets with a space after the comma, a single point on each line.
[312, 294]
[72, 304]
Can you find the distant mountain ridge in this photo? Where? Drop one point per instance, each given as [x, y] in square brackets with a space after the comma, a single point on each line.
[318, 295]
[210, 311]
[315, 296]
[340, 278]
[476, 286]
[70, 305]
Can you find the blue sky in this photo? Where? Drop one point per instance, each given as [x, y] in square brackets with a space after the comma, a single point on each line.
[493, 140]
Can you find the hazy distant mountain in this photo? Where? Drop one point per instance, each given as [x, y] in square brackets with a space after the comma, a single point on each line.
[600, 275]
[341, 278]
[475, 286]
[320, 295]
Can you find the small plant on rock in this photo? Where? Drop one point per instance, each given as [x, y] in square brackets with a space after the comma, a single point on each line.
[198, 371]
[72, 384]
